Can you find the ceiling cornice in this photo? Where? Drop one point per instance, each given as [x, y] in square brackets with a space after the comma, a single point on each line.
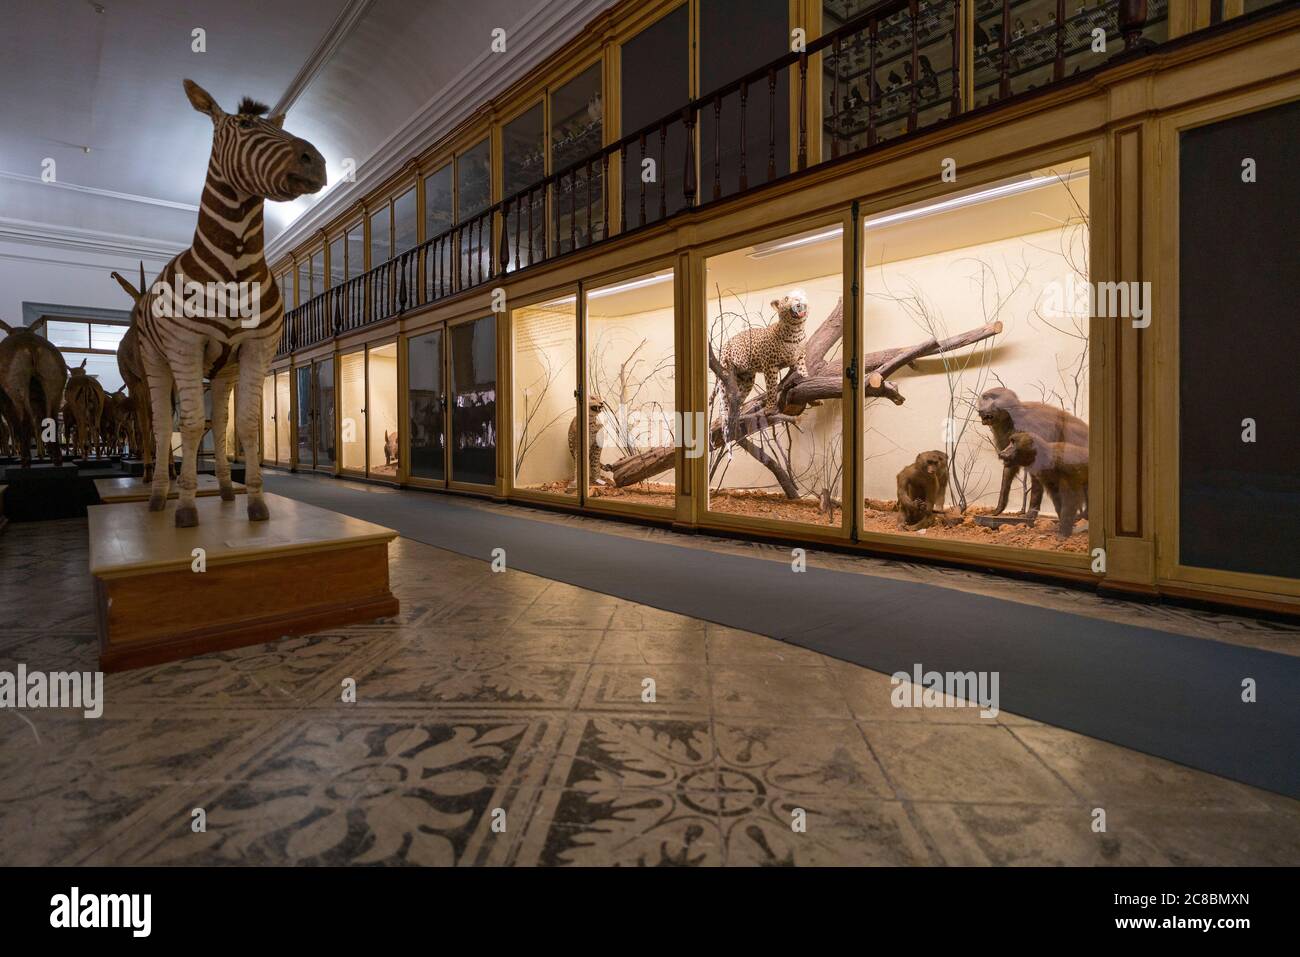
[96, 191]
[83, 240]
[540, 33]
[343, 25]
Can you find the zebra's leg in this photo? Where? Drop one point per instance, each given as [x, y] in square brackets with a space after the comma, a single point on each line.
[187, 367]
[159, 377]
[253, 362]
[221, 387]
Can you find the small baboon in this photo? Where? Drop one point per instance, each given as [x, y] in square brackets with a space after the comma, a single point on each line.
[922, 489]
[1002, 411]
[390, 447]
[1059, 467]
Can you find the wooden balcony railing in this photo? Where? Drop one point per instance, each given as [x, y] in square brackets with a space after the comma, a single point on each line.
[879, 81]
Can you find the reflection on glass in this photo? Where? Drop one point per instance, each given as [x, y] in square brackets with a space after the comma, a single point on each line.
[474, 401]
[317, 272]
[474, 188]
[352, 395]
[306, 450]
[426, 406]
[661, 51]
[268, 419]
[630, 383]
[381, 246]
[546, 378]
[775, 317]
[338, 267]
[524, 154]
[439, 216]
[325, 418]
[283, 419]
[577, 128]
[997, 279]
[404, 222]
[381, 411]
[356, 244]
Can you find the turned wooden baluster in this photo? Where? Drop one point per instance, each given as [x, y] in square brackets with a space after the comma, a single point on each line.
[871, 82]
[573, 210]
[401, 282]
[641, 177]
[1133, 19]
[1004, 80]
[660, 175]
[744, 173]
[771, 124]
[532, 241]
[604, 195]
[588, 184]
[803, 111]
[1058, 66]
[519, 218]
[835, 103]
[956, 58]
[717, 147]
[503, 257]
[688, 178]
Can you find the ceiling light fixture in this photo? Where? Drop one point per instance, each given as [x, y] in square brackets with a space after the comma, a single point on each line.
[633, 284]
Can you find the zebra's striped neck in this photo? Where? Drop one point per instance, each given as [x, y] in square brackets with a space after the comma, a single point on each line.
[228, 237]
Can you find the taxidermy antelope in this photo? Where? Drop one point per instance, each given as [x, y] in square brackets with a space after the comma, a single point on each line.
[32, 377]
[253, 160]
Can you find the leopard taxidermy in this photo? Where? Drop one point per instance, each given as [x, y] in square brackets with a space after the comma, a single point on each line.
[593, 446]
[781, 345]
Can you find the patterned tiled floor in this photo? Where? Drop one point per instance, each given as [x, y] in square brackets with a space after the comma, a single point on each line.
[501, 720]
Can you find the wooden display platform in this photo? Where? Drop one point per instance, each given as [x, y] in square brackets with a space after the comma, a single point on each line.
[115, 491]
[303, 570]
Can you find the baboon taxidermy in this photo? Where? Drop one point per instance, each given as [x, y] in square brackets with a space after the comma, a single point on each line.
[1059, 467]
[1003, 412]
[922, 488]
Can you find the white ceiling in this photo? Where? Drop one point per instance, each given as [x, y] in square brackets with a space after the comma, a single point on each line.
[73, 77]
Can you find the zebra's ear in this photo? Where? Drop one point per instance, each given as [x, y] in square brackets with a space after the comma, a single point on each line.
[277, 120]
[202, 101]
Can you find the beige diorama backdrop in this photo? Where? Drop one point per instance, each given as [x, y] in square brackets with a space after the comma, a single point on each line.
[820, 433]
[545, 377]
[630, 367]
[268, 418]
[283, 423]
[352, 402]
[381, 409]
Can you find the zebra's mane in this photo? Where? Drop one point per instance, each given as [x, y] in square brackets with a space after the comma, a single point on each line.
[250, 105]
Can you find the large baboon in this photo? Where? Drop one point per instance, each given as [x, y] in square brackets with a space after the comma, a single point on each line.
[83, 410]
[1003, 412]
[32, 377]
[1060, 467]
[922, 490]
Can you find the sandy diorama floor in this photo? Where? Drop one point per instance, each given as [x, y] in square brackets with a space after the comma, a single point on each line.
[880, 516]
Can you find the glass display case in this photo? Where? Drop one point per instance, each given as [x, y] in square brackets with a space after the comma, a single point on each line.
[774, 314]
[283, 419]
[632, 426]
[473, 195]
[268, 419]
[352, 406]
[577, 130]
[976, 374]
[523, 157]
[545, 350]
[381, 411]
[473, 362]
[427, 406]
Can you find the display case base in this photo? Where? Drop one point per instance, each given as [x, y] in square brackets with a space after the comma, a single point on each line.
[304, 569]
[115, 491]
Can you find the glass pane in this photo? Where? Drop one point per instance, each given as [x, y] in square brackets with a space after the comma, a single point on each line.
[474, 189]
[630, 383]
[68, 335]
[283, 419]
[656, 82]
[524, 158]
[728, 53]
[987, 297]
[318, 272]
[404, 227]
[99, 367]
[474, 401]
[577, 129]
[103, 336]
[352, 388]
[381, 411]
[781, 454]
[438, 218]
[381, 244]
[268, 419]
[325, 428]
[338, 268]
[425, 386]
[356, 251]
[304, 282]
[305, 445]
[546, 379]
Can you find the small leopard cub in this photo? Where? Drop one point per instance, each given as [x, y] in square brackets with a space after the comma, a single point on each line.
[770, 349]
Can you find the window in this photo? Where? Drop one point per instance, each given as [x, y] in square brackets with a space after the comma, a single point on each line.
[381, 410]
[304, 282]
[439, 216]
[381, 240]
[545, 397]
[352, 402]
[318, 272]
[780, 459]
[68, 335]
[655, 82]
[524, 157]
[473, 195]
[577, 131]
[426, 401]
[404, 222]
[998, 280]
[356, 251]
[338, 264]
[474, 401]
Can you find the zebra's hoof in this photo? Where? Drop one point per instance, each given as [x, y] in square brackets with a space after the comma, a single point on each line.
[157, 503]
[227, 493]
[187, 516]
[257, 511]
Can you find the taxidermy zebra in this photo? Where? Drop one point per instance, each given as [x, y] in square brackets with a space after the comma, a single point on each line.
[214, 310]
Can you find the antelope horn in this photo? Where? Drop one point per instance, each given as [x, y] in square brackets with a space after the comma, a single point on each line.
[142, 282]
[130, 289]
